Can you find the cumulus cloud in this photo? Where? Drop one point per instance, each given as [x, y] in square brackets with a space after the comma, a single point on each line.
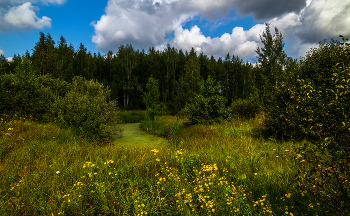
[145, 23]
[20, 14]
[141, 23]
[24, 17]
[324, 19]
[239, 41]
[2, 52]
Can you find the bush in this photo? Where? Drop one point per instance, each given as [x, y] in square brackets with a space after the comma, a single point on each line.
[209, 107]
[86, 111]
[182, 113]
[151, 98]
[244, 108]
[315, 105]
[19, 92]
[50, 90]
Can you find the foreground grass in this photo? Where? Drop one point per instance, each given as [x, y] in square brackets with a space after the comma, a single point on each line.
[222, 169]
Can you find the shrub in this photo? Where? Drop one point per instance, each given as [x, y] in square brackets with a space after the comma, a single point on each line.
[209, 107]
[315, 105]
[86, 111]
[19, 92]
[244, 108]
[151, 98]
[50, 90]
[182, 113]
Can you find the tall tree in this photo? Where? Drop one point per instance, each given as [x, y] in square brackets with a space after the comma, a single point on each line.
[80, 61]
[65, 64]
[271, 58]
[44, 57]
[191, 82]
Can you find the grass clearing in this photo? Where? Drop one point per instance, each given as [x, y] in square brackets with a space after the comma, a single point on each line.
[221, 169]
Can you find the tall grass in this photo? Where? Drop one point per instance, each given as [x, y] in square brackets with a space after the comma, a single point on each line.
[221, 169]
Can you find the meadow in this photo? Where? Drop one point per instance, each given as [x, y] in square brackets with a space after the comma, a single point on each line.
[220, 169]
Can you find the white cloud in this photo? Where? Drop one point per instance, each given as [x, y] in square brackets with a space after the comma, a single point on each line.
[2, 52]
[140, 23]
[23, 16]
[9, 59]
[20, 14]
[238, 42]
[145, 23]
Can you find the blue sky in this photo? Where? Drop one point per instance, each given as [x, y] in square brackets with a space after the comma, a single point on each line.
[214, 27]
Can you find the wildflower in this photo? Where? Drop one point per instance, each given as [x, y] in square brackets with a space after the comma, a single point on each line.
[277, 156]
[58, 172]
[255, 173]
[274, 149]
[10, 129]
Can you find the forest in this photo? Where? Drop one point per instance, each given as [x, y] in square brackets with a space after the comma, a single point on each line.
[178, 72]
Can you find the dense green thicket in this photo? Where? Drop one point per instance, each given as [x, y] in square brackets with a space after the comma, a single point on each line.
[245, 108]
[82, 105]
[208, 107]
[315, 105]
[19, 92]
[87, 110]
[151, 99]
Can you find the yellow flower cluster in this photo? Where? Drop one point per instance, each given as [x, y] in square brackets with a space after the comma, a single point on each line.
[139, 208]
[87, 164]
[260, 203]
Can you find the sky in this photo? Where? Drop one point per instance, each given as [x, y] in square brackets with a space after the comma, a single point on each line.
[214, 27]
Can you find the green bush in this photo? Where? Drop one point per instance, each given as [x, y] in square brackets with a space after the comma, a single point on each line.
[209, 107]
[151, 98]
[86, 111]
[315, 105]
[244, 108]
[19, 92]
[50, 90]
[182, 113]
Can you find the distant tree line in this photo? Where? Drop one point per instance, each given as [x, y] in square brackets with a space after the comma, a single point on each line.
[180, 74]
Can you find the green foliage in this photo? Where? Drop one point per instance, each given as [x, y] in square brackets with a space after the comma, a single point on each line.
[190, 83]
[132, 116]
[272, 58]
[209, 107]
[50, 90]
[315, 105]
[19, 91]
[151, 98]
[182, 113]
[245, 108]
[86, 110]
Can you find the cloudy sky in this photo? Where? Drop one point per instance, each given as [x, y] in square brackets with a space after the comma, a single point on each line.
[216, 27]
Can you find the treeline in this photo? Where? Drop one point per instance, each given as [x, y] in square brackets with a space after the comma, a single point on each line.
[180, 74]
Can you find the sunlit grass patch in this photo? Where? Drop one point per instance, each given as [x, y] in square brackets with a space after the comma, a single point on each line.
[220, 169]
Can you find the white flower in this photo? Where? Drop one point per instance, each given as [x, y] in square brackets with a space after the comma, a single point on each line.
[58, 172]
[186, 201]
[277, 156]
[274, 149]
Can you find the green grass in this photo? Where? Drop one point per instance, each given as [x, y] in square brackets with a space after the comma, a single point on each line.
[222, 169]
[132, 116]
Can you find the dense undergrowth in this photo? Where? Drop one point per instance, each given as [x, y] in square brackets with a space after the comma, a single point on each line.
[219, 169]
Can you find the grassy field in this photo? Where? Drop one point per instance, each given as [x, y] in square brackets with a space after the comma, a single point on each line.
[222, 169]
